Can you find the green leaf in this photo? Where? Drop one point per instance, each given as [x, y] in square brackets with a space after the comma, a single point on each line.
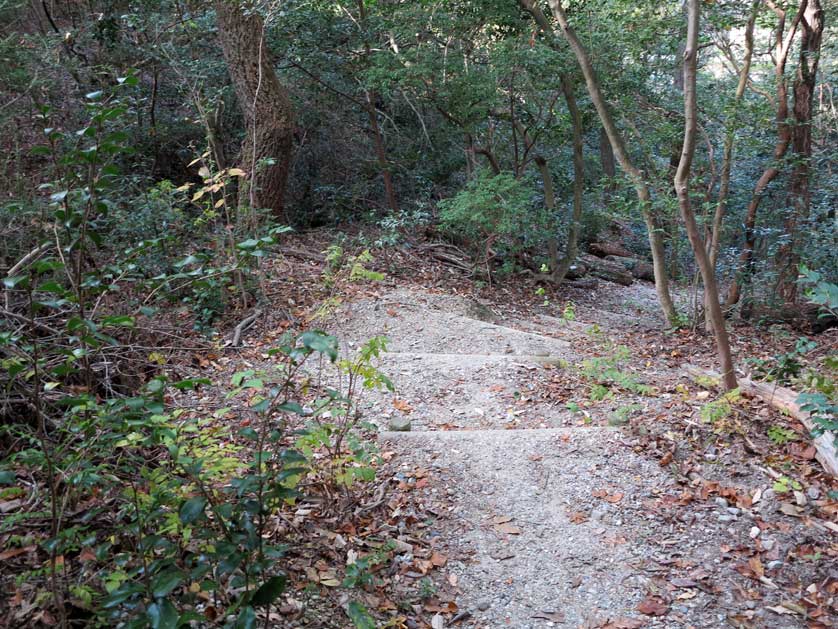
[360, 616]
[164, 583]
[246, 619]
[250, 243]
[190, 383]
[269, 591]
[52, 287]
[123, 321]
[192, 509]
[163, 615]
[7, 477]
[291, 407]
[320, 342]
[12, 282]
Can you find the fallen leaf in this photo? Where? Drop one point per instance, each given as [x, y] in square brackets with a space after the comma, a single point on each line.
[653, 606]
[14, 552]
[551, 616]
[624, 623]
[577, 517]
[401, 405]
[438, 559]
[508, 529]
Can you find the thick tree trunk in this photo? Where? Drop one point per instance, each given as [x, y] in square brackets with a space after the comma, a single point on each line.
[783, 46]
[788, 255]
[682, 188]
[264, 101]
[621, 154]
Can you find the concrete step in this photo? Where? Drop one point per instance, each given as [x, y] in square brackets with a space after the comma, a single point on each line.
[539, 537]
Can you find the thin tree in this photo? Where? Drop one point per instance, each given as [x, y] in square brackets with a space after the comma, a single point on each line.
[682, 189]
[560, 267]
[268, 114]
[811, 35]
[636, 175]
[783, 42]
[730, 135]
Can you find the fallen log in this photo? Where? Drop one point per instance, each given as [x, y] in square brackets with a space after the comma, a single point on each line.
[639, 269]
[603, 249]
[783, 399]
[606, 270]
[803, 317]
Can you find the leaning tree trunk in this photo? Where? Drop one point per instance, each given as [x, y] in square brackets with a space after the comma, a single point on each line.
[635, 174]
[264, 101]
[746, 257]
[682, 189]
[788, 255]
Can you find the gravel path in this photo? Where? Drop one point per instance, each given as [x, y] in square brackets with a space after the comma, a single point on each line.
[548, 523]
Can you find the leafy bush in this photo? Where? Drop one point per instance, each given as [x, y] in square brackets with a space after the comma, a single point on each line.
[491, 210]
[184, 512]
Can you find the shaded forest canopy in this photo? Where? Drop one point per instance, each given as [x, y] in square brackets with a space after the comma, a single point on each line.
[160, 157]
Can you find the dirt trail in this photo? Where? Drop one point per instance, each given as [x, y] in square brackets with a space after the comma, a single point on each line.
[549, 522]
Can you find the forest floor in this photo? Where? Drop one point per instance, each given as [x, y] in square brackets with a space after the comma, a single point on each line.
[559, 471]
[563, 471]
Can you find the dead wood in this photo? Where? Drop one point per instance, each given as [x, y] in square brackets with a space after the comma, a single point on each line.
[783, 399]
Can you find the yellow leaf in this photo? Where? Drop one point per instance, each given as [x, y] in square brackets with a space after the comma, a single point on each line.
[204, 172]
[236, 172]
[219, 203]
[199, 194]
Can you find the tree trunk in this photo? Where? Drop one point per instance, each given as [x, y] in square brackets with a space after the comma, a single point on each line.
[268, 114]
[811, 35]
[378, 138]
[727, 153]
[621, 154]
[783, 46]
[560, 271]
[381, 154]
[606, 158]
[682, 188]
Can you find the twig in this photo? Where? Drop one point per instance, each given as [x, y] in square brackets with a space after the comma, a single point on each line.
[12, 315]
[33, 255]
[242, 326]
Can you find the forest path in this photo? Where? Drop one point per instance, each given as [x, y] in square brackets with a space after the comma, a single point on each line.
[550, 517]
